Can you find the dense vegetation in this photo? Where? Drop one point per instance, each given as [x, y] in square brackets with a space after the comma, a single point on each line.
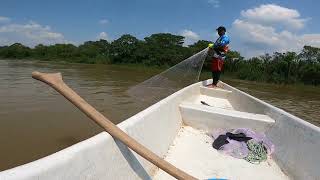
[288, 67]
[164, 49]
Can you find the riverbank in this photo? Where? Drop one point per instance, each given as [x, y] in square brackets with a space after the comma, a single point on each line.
[231, 77]
[153, 70]
[166, 50]
[205, 74]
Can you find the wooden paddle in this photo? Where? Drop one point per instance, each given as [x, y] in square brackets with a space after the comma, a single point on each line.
[55, 81]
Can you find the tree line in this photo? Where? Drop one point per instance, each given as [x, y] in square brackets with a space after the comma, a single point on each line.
[286, 68]
[165, 50]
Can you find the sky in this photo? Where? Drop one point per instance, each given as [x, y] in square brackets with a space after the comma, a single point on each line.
[255, 27]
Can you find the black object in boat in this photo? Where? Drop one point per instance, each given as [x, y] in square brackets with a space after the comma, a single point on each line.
[220, 141]
[238, 137]
[204, 103]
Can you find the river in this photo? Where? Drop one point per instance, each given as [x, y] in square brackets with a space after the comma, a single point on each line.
[36, 121]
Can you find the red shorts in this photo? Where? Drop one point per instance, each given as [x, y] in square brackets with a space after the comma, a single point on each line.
[216, 64]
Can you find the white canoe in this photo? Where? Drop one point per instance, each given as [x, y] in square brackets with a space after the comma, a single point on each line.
[174, 128]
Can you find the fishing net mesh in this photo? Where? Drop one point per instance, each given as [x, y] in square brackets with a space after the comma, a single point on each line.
[173, 79]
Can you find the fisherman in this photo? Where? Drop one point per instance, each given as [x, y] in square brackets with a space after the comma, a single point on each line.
[219, 48]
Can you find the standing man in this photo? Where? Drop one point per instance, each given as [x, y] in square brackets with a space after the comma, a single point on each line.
[219, 48]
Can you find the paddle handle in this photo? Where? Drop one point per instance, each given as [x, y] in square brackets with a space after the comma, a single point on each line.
[55, 81]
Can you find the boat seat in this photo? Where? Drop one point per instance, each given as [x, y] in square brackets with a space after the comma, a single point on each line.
[212, 101]
[215, 92]
[209, 118]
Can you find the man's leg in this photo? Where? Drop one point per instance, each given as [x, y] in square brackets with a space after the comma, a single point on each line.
[215, 77]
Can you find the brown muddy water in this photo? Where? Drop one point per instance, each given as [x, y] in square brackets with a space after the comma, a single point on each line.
[35, 121]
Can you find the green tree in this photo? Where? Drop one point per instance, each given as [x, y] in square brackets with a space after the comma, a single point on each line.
[199, 46]
[123, 50]
[165, 49]
[94, 52]
[310, 54]
[17, 51]
[233, 58]
[40, 51]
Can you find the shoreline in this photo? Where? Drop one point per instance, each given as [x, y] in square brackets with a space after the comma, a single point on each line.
[205, 74]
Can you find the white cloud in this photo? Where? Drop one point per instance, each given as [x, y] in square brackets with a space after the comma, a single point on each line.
[257, 39]
[269, 28]
[310, 39]
[215, 3]
[4, 19]
[270, 14]
[29, 34]
[104, 21]
[190, 36]
[103, 35]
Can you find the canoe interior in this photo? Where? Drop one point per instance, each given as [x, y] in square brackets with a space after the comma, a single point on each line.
[174, 128]
[192, 151]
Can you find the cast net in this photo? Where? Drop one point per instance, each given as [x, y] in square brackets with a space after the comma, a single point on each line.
[173, 79]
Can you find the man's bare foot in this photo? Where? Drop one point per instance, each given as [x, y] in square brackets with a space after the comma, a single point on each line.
[211, 86]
